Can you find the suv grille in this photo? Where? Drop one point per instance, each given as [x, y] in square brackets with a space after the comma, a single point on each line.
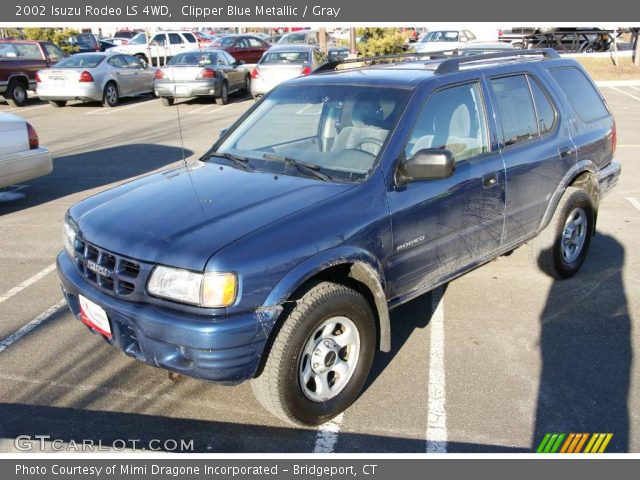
[108, 271]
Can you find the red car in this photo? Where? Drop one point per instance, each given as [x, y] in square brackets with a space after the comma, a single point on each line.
[247, 48]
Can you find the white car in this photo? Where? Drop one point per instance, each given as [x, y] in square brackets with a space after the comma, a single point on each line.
[438, 40]
[163, 45]
[21, 156]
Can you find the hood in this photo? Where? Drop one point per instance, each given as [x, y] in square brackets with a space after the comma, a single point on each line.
[183, 216]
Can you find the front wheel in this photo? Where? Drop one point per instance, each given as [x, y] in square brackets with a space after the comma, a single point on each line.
[562, 247]
[167, 101]
[320, 358]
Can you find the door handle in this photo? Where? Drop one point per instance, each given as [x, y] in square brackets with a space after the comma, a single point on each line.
[490, 180]
[565, 152]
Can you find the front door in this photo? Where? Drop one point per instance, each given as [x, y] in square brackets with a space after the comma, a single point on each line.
[441, 226]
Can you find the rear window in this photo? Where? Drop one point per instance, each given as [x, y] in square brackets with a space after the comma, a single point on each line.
[195, 59]
[285, 58]
[20, 50]
[582, 96]
[80, 61]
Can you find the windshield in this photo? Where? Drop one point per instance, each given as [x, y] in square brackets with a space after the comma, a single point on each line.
[139, 39]
[80, 61]
[449, 36]
[339, 129]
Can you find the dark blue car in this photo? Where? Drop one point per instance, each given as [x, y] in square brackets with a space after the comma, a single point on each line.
[339, 196]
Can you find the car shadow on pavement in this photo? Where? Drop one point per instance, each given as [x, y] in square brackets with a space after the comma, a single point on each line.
[408, 317]
[96, 168]
[70, 428]
[585, 344]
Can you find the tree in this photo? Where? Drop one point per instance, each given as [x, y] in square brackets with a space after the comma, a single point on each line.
[56, 35]
[380, 41]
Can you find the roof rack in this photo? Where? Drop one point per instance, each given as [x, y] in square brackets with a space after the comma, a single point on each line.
[332, 65]
[451, 58]
[452, 64]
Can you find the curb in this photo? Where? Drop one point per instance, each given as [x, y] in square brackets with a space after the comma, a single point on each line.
[618, 83]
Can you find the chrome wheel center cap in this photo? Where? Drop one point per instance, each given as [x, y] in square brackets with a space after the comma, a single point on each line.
[325, 355]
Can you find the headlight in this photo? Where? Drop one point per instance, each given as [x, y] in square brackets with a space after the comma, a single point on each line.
[211, 290]
[69, 232]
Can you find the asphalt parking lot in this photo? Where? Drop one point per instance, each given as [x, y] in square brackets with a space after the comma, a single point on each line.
[490, 363]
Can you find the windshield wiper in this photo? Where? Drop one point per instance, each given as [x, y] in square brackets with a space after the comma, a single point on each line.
[310, 169]
[242, 162]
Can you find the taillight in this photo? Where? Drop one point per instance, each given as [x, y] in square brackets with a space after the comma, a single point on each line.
[159, 75]
[85, 77]
[207, 73]
[614, 137]
[255, 73]
[500, 33]
[38, 80]
[306, 71]
[34, 142]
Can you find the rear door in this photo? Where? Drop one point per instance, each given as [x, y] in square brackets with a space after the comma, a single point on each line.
[536, 148]
[442, 226]
[124, 76]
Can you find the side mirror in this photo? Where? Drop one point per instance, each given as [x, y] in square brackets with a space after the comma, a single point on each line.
[239, 62]
[427, 164]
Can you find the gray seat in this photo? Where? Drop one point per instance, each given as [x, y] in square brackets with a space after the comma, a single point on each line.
[365, 132]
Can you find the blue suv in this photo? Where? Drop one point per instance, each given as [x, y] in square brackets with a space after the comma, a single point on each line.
[278, 255]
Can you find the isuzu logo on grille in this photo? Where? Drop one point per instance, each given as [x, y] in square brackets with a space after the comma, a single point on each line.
[99, 269]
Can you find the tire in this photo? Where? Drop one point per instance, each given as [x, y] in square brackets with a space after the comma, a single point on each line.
[247, 85]
[142, 57]
[110, 97]
[223, 99]
[57, 103]
[16, 94]
[562, 247]
[307, 331]
[167, 101]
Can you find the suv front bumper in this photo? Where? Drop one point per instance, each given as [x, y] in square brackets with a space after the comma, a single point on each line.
[223, 349]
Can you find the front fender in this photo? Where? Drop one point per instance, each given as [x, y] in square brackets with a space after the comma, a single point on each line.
[364, 268]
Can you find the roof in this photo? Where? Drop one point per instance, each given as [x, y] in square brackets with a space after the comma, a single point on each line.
[400, 75]
[292, 47]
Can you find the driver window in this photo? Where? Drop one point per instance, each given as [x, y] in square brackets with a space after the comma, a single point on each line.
[452, 119]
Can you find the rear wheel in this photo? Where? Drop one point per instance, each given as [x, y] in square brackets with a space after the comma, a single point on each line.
[223, 99]
[57, 103]
[562, 247]
[167, 101]
[111, 97]
[247, 85]
[320, 358]
[16, 93]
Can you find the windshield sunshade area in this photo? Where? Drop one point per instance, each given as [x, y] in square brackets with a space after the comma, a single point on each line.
[334, 128]
[80, 61]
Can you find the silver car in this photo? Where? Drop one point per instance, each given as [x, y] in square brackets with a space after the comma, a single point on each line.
[283, 62]
[95, 77]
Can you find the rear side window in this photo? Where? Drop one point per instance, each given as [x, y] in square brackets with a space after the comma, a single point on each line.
[190, 38]
[24, 51]
[515, 106]
[582, 96]
[175, 39]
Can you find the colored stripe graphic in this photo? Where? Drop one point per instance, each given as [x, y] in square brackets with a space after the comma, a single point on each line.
[574, 442]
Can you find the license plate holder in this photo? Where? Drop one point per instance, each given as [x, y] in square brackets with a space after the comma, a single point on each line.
[94, 316]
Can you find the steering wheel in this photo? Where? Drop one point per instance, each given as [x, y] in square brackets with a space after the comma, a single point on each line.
[366, 140]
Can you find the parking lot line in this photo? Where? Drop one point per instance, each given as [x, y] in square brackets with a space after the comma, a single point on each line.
[28, 282]
[634, 201]
[327, 436]
[619, 90]
[199, 108]
[43, 317]
[24, 109]
[436, 434]
[109, 111]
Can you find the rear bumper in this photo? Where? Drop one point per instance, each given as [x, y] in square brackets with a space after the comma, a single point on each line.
[223, 349]
[200, 88]
[24, 166]
[608, 178]
[80, 91]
